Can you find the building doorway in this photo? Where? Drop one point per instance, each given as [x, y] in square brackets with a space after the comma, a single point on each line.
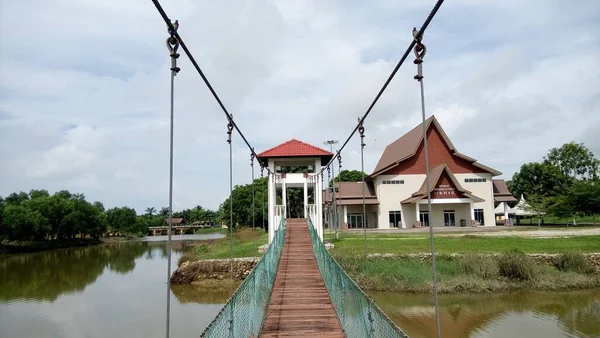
[424, 218]
[449, 218]
[355, 221]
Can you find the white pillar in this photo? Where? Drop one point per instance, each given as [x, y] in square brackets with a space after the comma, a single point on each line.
[283, 197]
[345, 214]
[418, 212]
[270, 189]
[505, 210]
[319, 202]
[472, 212]
[306, 196]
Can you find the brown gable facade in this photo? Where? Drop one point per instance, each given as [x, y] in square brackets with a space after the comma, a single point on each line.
[444, 185]
[406, 155]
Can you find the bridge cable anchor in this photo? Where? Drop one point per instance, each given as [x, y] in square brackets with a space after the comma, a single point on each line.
[173, 45]
[419, 51]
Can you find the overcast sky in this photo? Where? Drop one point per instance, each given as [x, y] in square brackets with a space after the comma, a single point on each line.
[84, 87]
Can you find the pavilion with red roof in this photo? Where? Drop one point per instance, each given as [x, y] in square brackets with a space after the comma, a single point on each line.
[295, 164]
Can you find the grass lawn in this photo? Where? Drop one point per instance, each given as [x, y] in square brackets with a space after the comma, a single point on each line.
[245, 244]
[212, 231]
[391, 243]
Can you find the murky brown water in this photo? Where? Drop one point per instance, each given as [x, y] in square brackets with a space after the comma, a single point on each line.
[521, 314]
[119, 290]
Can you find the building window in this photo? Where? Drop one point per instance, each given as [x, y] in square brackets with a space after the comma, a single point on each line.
[393, 182]
[475, 180]
[479, 216]
[395, 219]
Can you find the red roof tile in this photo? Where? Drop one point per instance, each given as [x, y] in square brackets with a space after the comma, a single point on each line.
[294, 148]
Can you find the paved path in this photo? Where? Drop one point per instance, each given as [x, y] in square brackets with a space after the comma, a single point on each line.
[300, 305]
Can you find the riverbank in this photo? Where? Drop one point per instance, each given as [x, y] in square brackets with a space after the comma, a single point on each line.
[465, 262]
[458, 273]
[474, 273]
[36, 246]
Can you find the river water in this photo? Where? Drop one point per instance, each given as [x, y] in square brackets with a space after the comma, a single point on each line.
[119, 290]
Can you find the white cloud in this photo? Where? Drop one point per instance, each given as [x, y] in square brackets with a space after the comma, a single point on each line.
[84, 87]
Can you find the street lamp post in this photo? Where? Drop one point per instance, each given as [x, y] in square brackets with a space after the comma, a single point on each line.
[335, 215]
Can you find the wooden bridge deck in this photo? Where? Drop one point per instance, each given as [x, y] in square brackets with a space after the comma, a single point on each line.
[300, 305]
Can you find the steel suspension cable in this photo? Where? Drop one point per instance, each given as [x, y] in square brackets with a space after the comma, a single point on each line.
[361, 130]
[229, 130]
[229, 117]
[389, 79]
[172, 45]
[420, 51]
[342, 209]
[252, 165]
[264, 207]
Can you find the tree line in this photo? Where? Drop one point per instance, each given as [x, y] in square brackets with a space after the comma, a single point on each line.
[37, 216]
[564, 184]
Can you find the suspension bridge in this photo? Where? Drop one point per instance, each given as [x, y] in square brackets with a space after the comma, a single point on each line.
[297, 289]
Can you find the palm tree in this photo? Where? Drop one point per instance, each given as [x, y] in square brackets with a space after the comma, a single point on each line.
[150, 211]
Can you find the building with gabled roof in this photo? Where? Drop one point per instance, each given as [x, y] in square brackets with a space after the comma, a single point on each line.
[461, 188]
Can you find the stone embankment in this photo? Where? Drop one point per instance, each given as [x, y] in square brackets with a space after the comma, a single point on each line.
[215, 269]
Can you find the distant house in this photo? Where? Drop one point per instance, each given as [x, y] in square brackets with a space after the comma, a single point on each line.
[176, 221]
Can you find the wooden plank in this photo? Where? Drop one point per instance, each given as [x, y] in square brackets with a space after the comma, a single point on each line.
[300, 305]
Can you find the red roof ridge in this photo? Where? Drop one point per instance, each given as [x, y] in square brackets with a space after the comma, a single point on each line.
[294, 148]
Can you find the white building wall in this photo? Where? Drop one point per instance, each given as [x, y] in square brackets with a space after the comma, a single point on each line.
[484, 190]
[390, 196]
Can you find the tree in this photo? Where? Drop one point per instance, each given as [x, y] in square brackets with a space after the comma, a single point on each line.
[121, 219]
[99, 206]
[164, 212]
[63, 194]
[574, 160]
[348, 176]
[33, 193]
[23, 223]
[150, 211]
[16, 198]
[540, 179]
[584, 197]
[242, 204]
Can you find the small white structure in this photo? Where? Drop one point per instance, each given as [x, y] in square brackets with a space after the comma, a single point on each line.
[295, 154]
[521, 209]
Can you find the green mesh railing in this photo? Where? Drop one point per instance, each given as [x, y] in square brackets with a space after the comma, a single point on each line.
[358, 314]
[244, 312]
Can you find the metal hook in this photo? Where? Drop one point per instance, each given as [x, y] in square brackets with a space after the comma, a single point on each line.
[420, 51]
[229, 130]
[172, 41]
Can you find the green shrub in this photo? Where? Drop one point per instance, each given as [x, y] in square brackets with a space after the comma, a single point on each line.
[480, 265]
[575, 262]
[516, 265]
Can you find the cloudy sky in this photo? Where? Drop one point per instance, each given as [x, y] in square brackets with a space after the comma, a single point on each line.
[84, 87]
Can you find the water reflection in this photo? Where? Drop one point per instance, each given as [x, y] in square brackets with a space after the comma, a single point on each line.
[111, 290]
[47, 275]
[523, 314]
